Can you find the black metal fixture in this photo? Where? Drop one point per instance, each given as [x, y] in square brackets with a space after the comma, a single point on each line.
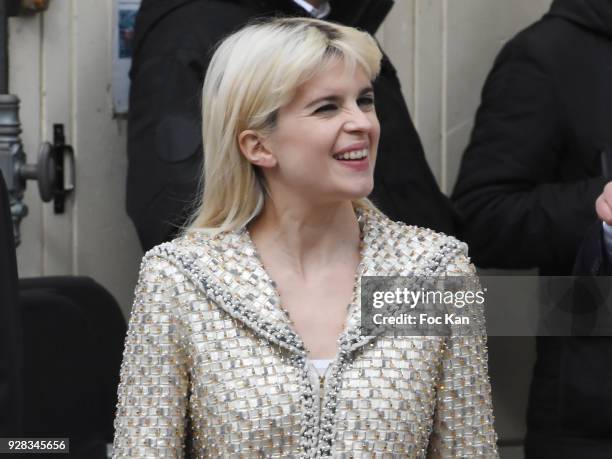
[54, 168]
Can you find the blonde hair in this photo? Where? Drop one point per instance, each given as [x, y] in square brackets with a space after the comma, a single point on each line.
[253, 73]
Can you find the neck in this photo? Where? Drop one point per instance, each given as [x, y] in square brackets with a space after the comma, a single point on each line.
[305, 239]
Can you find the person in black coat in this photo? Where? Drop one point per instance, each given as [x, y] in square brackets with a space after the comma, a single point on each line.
[172, 48]
[526, 192]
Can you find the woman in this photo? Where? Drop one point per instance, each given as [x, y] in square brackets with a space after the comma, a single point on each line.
[231, 320]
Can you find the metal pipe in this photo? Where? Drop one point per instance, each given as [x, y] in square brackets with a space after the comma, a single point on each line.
[4, 15]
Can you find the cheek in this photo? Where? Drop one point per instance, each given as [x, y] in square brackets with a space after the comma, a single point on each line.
[298, 135]
[309, 141]
[375, 127]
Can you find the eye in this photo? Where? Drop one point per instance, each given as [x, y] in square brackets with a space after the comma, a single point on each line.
[366, 100]
[325, 108]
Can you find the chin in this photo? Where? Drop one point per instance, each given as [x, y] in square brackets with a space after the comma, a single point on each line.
[366, 189]
[350, 190]
[361, 192]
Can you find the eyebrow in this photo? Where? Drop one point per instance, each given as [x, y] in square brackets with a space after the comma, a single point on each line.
[336, 98]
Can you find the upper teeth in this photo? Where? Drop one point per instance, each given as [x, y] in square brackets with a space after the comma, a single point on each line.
[357, 154]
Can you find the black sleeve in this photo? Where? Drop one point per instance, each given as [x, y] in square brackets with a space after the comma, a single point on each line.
[516, 212]
[164, 121]
[164, 146]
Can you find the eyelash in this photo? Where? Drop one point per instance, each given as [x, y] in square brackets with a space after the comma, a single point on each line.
[326, 108]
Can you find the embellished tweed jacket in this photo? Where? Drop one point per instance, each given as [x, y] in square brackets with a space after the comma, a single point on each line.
[210, 351]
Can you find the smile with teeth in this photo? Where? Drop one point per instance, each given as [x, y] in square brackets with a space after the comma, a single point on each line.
[352, 155]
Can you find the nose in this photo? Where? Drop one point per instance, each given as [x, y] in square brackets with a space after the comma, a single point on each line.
[359, 120]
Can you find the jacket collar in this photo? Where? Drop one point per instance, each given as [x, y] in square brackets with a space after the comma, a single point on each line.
[595, 15]
[227, 270]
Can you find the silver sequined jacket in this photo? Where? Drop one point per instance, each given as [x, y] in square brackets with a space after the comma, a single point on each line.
[210, 350]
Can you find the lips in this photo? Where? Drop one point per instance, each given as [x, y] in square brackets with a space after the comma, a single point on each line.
[357, 165]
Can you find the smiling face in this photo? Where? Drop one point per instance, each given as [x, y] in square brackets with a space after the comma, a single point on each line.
[323, 147]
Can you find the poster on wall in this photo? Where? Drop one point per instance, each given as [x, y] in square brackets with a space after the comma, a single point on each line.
[123, 39]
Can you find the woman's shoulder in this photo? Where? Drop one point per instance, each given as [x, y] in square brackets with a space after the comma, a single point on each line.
[198, 253]
[412, 241]
[195, 242]
[403, 233]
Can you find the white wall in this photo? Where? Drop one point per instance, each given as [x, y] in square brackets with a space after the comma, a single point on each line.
[60, 67]
[443, 50]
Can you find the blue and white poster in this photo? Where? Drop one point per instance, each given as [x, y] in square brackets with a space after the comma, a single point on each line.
[123, 39]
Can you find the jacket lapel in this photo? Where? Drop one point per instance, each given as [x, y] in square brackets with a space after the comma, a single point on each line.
[227, 270]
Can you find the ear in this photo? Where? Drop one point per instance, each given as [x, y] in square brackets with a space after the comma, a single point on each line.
[252, 147]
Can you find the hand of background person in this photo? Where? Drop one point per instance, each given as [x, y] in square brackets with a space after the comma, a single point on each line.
[603, 204]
